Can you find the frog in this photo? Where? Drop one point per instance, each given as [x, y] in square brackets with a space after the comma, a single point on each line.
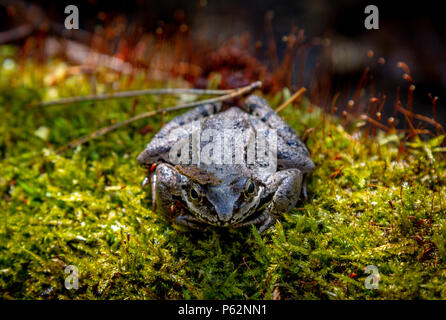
[238, 192]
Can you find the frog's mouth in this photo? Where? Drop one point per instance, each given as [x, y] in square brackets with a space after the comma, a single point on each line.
[256, 214]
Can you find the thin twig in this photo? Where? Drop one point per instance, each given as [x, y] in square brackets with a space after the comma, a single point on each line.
[16, 33]
[376, 123]
[134, 93]
[295, 96]
[234, 93]
[422, 118]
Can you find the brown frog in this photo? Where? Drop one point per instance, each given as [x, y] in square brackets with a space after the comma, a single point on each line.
[229, 168]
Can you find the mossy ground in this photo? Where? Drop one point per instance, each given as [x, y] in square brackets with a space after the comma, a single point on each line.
[368, 204]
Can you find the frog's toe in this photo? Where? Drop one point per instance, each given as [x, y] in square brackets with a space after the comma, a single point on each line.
[267, 223]
[304, 191]
[189, 221]
[262, 221]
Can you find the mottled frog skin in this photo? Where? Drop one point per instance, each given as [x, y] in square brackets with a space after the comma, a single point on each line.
[228, 195]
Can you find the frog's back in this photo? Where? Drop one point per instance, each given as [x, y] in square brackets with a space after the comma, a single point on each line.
[230, 137]
[241, 136]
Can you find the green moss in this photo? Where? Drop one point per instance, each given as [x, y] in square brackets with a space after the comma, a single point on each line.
[367, 205]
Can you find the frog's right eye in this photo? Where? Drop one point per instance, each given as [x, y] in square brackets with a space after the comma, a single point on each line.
[196, 193]
[250, 188]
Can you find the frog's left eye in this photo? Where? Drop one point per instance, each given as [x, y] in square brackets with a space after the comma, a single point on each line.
[250, 188]
[194, 194]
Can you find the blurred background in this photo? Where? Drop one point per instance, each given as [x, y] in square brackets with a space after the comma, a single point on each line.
[320, 44]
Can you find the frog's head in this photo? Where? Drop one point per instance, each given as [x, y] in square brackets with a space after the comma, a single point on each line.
[227, 203]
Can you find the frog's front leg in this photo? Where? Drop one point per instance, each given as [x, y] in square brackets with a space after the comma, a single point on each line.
[166, 186]
[285, 186]
[188, 220]
[166, 192]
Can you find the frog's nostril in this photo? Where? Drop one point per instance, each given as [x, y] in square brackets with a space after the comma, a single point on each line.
[224, 213]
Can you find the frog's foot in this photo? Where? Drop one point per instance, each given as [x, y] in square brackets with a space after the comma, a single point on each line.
[304, 191]
[190, 221]
[267, 223]
[262, 221]
[165, 181]
[255, 219]
[287, 185]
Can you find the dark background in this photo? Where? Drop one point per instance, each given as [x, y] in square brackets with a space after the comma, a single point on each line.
[409, 32]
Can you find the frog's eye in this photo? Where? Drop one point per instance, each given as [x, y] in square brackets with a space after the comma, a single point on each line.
[194, 194]
[250, 188]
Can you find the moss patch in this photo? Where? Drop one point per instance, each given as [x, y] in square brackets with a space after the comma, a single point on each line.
[368, 204]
